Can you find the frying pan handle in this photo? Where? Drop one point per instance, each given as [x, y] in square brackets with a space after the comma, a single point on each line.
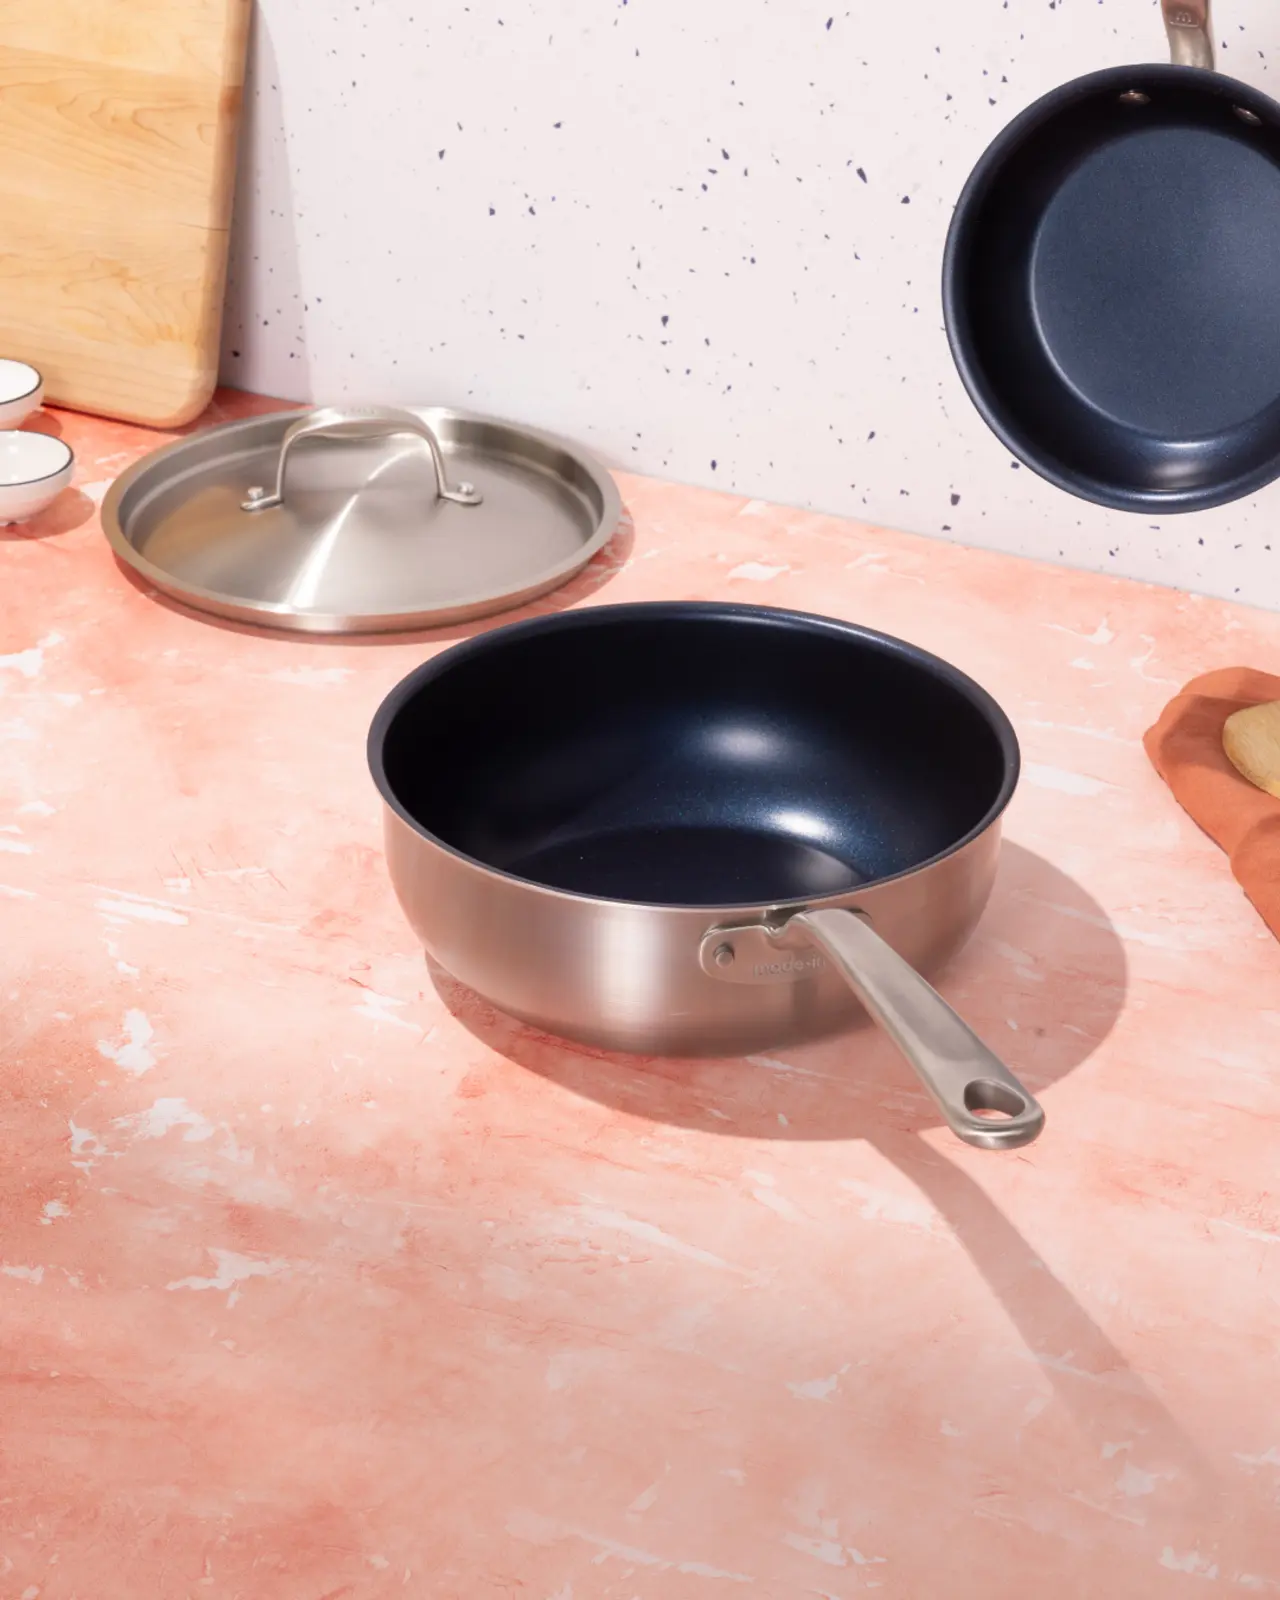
[1190, 33]
[361, 422]
[958, 1070]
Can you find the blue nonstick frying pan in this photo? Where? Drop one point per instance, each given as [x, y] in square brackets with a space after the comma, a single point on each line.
[1111, 282]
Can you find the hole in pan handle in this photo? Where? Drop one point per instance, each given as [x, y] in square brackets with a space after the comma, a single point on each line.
[1190, 33]
[361, 422]
[959, 1071]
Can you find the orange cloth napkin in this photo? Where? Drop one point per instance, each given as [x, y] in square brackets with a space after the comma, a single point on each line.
[1185, 747]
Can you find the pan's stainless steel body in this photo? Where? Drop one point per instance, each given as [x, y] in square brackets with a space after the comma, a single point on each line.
[629, 977]
[684, 980]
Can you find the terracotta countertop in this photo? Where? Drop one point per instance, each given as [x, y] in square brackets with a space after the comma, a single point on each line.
[318, 1282]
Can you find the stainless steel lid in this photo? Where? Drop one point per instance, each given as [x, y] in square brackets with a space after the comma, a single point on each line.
[361, 519]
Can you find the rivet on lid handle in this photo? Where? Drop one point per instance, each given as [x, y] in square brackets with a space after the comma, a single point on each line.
[363, 422]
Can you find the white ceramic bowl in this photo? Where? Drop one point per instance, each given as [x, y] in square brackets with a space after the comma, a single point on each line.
[34, 470]
[21, 392]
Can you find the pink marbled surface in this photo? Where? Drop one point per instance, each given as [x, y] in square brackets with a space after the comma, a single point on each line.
[315, 1282]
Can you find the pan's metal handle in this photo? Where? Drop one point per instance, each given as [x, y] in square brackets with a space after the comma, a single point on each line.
[958, 1070]
[362, 422]
[1190, 33]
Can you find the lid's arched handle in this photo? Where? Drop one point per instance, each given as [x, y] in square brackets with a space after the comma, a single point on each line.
[1190, 33]
[361, 422]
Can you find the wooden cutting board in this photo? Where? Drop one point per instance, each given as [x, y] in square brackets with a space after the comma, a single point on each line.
[118, 123]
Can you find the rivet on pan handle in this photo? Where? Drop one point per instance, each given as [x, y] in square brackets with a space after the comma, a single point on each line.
[1190, 33]
[362, 421]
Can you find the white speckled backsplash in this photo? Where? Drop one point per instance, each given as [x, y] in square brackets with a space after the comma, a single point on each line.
[703, 236]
